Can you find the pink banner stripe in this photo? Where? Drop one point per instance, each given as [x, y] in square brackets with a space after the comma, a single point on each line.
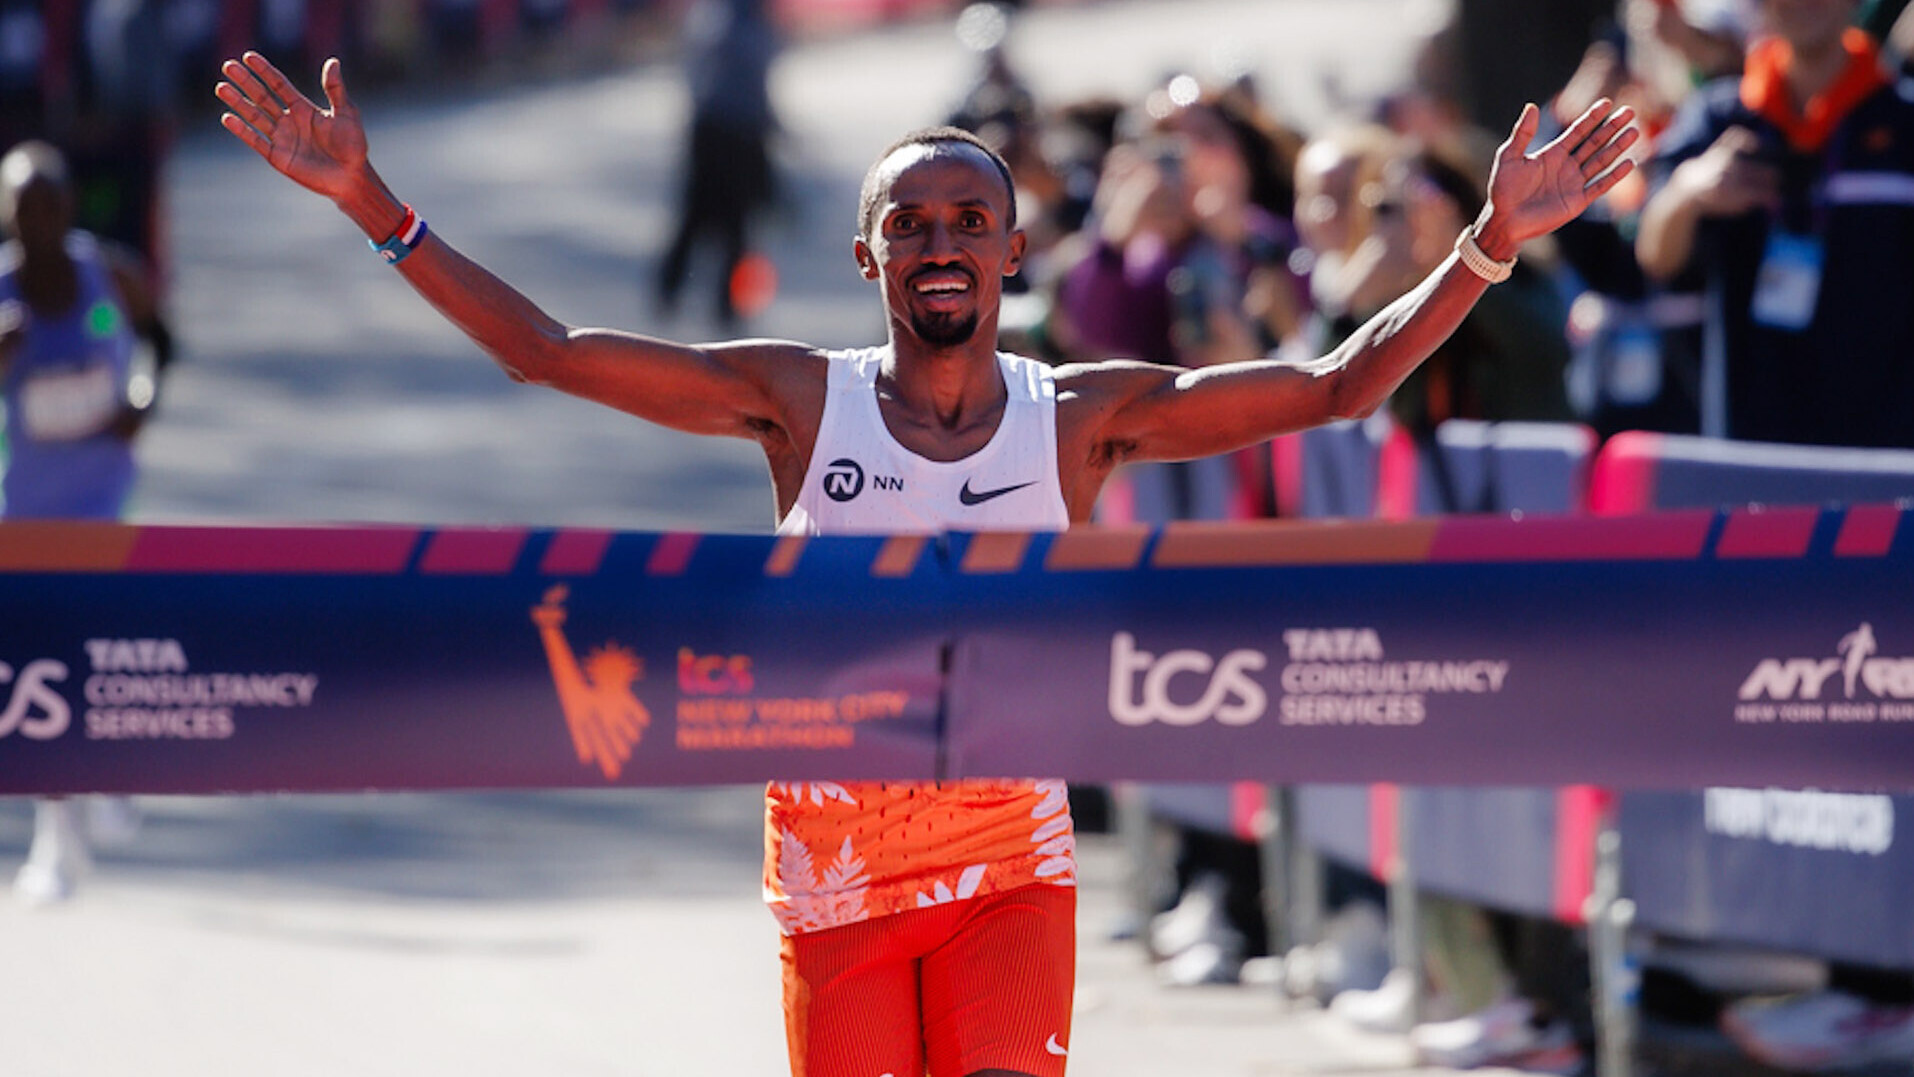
[1765, 532]
[672, 555]
[1662, 536]
[370, 551]
[575, 553]
[1868, 531]
[473, 553]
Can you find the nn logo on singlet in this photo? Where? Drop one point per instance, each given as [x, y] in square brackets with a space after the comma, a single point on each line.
[844, 480]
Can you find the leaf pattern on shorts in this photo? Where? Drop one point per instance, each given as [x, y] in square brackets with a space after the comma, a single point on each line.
[815, 792]
[813, 903]
[1054, 837]
[942, 894]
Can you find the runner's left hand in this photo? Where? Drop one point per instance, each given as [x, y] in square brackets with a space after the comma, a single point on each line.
[1533, 194]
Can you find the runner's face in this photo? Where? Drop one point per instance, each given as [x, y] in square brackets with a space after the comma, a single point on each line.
[941, 242]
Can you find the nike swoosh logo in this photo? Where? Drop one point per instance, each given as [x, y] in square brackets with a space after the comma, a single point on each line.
[978, 497]
[1051, 1045]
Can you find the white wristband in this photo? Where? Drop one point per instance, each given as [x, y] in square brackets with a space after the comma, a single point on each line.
[1478, 260]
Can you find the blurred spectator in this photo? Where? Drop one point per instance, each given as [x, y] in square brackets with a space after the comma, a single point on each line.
[193, 31]
[1505, 53]
[998, 95]
[36, 70]
[1508, 360]
[124, 127]
[1333, 222]
[1242, 165]
[1056, 163]
[1685, 42]
[1788, 189]
[1162, 278]
[1501, 989]
[1191, 263]
[730, 46]
[999, 108]
[1384, 215]
[1637, 363]
[75, 396]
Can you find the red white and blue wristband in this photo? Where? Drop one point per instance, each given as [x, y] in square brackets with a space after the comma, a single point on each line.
[404, 239]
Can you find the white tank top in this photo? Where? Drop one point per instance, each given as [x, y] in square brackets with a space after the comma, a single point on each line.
[861, 481]
[837, 853]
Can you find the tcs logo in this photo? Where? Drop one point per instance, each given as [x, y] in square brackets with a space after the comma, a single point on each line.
[32, 693]
[1141, 689]
[713, 674]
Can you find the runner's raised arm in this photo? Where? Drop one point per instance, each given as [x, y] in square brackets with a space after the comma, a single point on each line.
[1138, 411]
[741, 389]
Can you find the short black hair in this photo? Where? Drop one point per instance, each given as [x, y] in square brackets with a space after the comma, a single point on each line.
[931, 136]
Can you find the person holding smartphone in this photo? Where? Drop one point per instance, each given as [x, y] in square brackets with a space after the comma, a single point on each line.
[1791, 189]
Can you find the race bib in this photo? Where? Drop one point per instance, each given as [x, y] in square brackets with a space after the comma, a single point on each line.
[1789, 282]
[1633, 374]
[69, 405]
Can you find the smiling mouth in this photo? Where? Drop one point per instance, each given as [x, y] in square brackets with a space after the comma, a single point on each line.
[942, 285]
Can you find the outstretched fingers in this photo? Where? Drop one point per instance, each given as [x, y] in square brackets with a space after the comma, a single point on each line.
[249, 86]
[1610, 151]
[282, 88]
[1585, 125]
[1529, 122]
[332, 78]
[246, 134]
[1606, 181]
[254, 112]
[1606, 134]
[265, 119]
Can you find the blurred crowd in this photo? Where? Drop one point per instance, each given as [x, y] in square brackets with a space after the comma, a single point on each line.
[108, 82]
[1202, 225]
[1749, 281]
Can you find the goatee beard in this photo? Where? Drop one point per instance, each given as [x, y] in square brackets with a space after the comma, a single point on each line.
[944, 330]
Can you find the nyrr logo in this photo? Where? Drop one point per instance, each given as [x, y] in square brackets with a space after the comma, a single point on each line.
[843, 479]
[1853, 663]
[1227, 693]
[33, 707]
[606, 719]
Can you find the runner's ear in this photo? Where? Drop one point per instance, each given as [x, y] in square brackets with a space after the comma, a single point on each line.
[866, 261]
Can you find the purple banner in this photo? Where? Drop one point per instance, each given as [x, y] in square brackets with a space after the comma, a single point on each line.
[1661, 651]
[1673, 651]
[181, 660]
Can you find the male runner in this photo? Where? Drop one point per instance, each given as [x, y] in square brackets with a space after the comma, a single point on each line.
[928, 926]
[72, 312]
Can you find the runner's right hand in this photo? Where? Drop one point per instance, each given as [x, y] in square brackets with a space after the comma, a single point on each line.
[323, 150]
